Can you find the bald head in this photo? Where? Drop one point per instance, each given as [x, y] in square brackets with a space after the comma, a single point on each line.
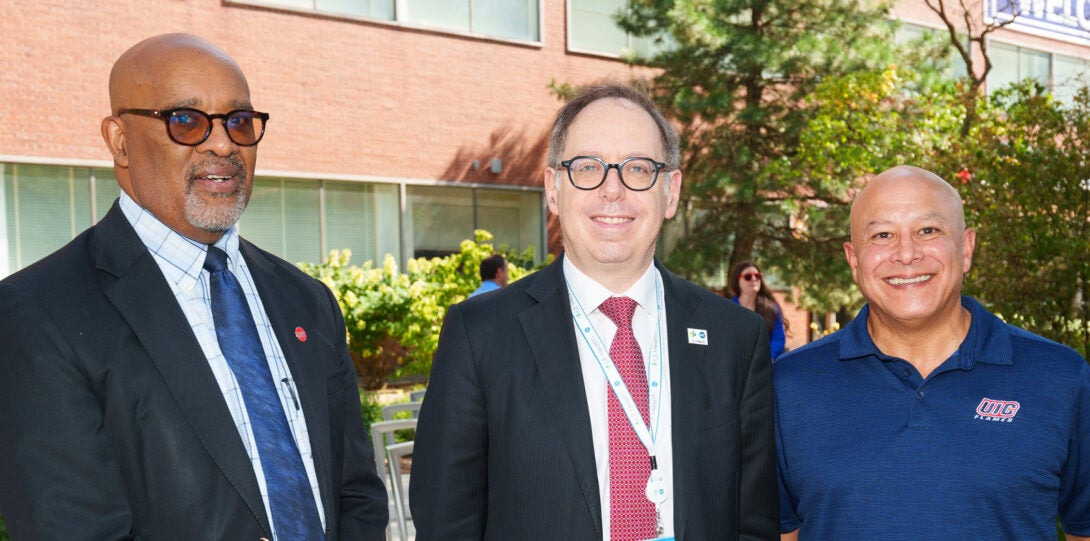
[135, 76]
[909, 251]
[178, 84]
[896, 182]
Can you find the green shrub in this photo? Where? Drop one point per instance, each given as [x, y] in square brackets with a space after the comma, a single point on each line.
[393, 318]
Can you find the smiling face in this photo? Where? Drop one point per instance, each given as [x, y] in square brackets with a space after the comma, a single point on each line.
[197, 191]
[610, 232]
[910, 248]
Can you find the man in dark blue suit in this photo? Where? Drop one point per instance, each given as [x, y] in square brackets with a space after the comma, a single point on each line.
[123, 414]
[520, 435]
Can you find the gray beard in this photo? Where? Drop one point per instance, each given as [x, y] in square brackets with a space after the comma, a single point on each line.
[214, 219]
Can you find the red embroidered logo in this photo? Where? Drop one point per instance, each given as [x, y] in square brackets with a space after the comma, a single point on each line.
[1002, 411]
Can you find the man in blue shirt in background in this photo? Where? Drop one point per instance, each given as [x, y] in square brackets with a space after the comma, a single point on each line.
[927, 417]
[493, 274]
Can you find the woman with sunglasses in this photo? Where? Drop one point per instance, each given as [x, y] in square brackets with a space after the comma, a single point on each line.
[748, 289]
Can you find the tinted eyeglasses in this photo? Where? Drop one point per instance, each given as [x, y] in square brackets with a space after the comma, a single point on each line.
[191, 127]
[589, 172]
[751, 276]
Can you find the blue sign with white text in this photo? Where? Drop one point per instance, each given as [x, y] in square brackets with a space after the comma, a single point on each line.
[1061, 19]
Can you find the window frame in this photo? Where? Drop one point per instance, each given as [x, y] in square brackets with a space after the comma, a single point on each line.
[398, 23]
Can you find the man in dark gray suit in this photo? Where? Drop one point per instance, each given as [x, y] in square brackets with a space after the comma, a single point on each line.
[127, 408]
[521, 437]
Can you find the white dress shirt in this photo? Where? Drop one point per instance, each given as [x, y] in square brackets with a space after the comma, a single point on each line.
[645, 325]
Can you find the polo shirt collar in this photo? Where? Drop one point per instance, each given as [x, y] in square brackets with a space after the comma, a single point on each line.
[987, 341]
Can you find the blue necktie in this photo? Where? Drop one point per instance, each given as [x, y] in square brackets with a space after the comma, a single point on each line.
[294, 513]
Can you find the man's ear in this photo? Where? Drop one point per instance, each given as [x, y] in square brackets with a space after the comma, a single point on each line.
[113, 132]
[550, 177]
[673, 192]
[853, 260]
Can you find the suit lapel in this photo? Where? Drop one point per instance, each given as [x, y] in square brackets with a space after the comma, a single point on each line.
[686, 382]
[547, 326]
[287, 310]
[142, 296]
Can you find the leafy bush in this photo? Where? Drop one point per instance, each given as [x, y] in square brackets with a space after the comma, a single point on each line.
[393, 318]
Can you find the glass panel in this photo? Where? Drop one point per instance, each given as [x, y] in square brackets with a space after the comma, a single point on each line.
[106, 191]
[513, 218]
[379, 9]
[593, 27]
[954, 66]
[362, 218]
[441, 219]
[452, 14]
[297, 4]
[1037, 65]
[1004, 66]
[283, 219]
[44, 207]
[1070, 75]
[5, 253]
[515, 19]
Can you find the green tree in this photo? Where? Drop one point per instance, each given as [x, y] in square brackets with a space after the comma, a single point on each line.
[735, 75]
[1022, 170]
[1025, 178]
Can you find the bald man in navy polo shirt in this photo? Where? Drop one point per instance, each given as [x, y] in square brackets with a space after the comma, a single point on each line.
[927, 417]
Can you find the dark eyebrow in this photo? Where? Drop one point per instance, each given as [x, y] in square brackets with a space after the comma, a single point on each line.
[192, 103]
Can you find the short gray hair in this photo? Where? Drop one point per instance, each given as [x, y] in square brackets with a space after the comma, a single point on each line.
[566, 115]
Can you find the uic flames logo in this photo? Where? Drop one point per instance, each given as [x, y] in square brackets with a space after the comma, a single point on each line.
[998, 410]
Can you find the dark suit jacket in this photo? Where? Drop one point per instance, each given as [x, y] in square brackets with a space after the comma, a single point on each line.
[504, 449]
[112, 425]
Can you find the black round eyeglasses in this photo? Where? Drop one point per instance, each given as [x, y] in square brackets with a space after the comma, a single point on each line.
[589, 172]
[191, 127]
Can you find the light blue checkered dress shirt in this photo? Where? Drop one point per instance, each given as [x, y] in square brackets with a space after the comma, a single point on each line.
[182, 259]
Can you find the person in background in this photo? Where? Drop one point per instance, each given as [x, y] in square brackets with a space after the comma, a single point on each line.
[493, 274]
[161, 377]
[927, 417]
[747, 285]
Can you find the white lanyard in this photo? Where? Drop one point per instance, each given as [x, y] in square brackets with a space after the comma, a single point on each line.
[645, 434]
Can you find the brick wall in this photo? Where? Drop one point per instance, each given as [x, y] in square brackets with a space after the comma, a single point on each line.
[346, 96]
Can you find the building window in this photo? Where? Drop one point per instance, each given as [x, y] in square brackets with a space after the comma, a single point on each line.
[302, 220]
[592, 27]
[513, 218]
[506, 19]
[953, 65]
[283, 218]
[1069, 74]
[42, 207]
[441, 218]
[1063, 75]
[1011, 64]
[364, 218]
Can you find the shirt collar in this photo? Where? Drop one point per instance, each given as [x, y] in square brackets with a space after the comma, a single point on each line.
[591, 294]
[183, 255]
[987, 341]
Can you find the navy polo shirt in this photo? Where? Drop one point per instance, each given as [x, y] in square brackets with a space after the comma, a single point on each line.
[992, 445]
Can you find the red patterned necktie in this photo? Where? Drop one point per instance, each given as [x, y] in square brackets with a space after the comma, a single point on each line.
[631, 517]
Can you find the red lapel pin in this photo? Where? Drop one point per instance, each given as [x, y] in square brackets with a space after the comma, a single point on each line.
[300, 334]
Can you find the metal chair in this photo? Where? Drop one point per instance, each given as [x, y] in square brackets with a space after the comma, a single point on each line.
[382, 435]
[389, 411]
[417, 396]
[394, 454]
